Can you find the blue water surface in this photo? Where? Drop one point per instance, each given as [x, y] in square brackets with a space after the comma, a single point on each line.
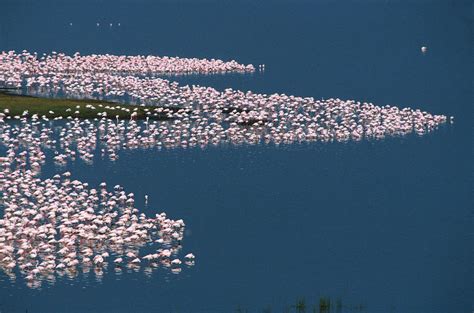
[384, 226]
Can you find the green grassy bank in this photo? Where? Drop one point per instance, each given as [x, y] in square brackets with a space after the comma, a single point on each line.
[15, 105]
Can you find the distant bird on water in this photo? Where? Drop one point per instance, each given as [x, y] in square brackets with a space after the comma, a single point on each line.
[424, 49]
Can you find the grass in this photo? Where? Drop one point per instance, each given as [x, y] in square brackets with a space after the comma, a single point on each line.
[300, 305]
[324, 304]
[321, 305]
[51, 108]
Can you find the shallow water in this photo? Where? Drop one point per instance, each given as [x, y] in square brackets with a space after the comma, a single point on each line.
[382, 224]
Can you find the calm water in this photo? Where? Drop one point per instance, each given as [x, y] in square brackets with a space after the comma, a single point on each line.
[382, 224]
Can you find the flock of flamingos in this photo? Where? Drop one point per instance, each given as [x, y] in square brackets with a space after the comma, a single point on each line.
[60, 226]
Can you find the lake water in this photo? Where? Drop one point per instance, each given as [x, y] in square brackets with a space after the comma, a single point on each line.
[381, 226]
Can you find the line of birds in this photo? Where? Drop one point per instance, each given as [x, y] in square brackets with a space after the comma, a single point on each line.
[98, 24]
[55, 226]
[202, 114]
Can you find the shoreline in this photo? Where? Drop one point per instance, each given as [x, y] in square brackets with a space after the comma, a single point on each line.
[15, 105]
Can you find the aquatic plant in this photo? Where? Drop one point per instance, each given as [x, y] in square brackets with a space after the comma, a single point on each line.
[324, 304]
[300, 305]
